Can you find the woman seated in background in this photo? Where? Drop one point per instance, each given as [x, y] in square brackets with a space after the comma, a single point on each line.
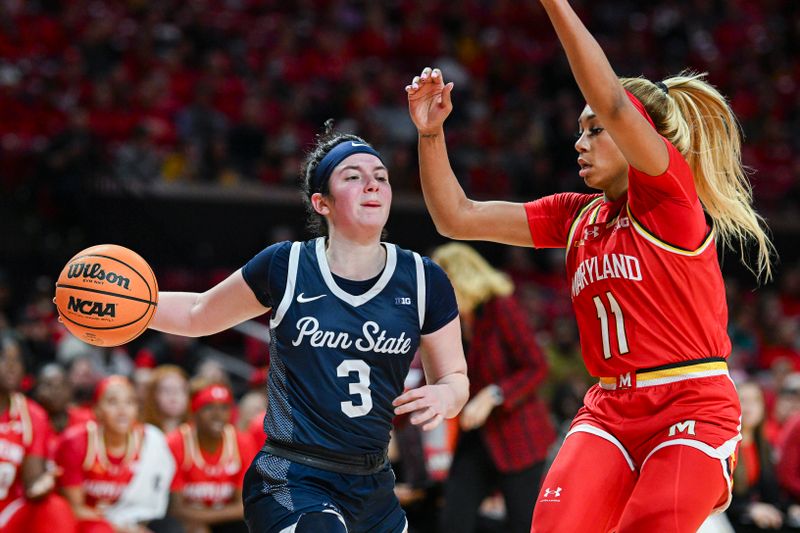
[755, 504]
[211, 457]
[116, 471]
[27, 503]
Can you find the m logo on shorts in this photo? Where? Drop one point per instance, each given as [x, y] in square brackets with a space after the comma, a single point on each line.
[625, 381]
[687, 426]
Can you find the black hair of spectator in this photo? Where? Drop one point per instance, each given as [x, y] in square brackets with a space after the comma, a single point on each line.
[8, 340]
[326, 141]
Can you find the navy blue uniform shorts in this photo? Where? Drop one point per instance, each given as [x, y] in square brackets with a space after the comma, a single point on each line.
[278, 492]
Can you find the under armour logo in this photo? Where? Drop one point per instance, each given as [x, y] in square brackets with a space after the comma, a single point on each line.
[556, 493]
[591, 233]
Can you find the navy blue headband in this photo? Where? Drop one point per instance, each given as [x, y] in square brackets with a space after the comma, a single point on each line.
[338, 153]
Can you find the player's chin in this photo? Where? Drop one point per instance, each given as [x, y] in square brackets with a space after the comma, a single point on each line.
[10, 383]
[593, 181]
[121, 425]
[216, 428]
[374, 220]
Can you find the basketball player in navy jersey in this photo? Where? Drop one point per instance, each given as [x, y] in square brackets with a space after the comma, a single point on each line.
[348, 314]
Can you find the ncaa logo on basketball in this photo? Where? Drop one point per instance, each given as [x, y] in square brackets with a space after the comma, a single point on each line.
[95, 271]
[89, 308]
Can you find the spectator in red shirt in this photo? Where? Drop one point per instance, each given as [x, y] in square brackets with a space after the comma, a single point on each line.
[116, 471]
[506, 428]
[789, 452]
[26, 502]
[211, 457]
[781, 347]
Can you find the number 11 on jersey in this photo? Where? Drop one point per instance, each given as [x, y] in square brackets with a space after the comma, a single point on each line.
[602, 315]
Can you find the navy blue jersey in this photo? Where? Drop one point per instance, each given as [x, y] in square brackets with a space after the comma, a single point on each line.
[340, 355]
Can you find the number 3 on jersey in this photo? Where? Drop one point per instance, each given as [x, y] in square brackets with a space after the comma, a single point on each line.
[360, 387]
[602, 315]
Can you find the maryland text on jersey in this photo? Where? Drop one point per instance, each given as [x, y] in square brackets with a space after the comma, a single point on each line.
[605, 266]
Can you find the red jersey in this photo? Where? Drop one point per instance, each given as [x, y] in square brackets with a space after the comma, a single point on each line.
[210, 480]
[82, 454]
[24, 429]
[75, 416]
[645, 280]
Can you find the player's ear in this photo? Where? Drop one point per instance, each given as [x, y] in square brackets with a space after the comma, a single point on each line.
[321, 203]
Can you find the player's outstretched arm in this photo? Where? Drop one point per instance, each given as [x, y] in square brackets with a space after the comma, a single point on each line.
[455, 215]
[195, 314]
[639, 143]
[446, 374]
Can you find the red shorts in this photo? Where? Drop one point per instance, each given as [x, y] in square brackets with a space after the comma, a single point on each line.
[700, 412]
[51, 513]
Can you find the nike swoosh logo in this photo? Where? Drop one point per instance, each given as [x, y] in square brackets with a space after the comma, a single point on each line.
[354, 144]
[302, 299]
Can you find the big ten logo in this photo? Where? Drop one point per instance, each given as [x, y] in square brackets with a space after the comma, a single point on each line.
[402, 300]
[621, 222]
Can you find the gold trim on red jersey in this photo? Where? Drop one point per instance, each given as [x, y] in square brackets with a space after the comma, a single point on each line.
[188, 442]
[19, 407]
[96, 447]
[191, 447]
[671, 375]
[578, 218]
[641, 230]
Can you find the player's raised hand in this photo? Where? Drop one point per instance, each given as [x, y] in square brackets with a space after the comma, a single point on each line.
[429, 102]
[427, 405]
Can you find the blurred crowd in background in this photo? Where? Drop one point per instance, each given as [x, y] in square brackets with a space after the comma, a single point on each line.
[232, 92]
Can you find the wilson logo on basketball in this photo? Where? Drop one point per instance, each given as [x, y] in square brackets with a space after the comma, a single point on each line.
[95, 271]
[87, 307]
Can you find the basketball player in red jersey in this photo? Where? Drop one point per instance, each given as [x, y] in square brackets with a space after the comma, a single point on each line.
[652, 448]
[101, 461]
[211, 458]
[27, 503]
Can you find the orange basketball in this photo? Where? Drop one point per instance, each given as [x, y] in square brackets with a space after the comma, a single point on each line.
[106, 295]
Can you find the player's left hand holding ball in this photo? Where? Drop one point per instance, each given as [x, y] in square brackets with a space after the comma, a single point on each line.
[106, 295]
[427, 405]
